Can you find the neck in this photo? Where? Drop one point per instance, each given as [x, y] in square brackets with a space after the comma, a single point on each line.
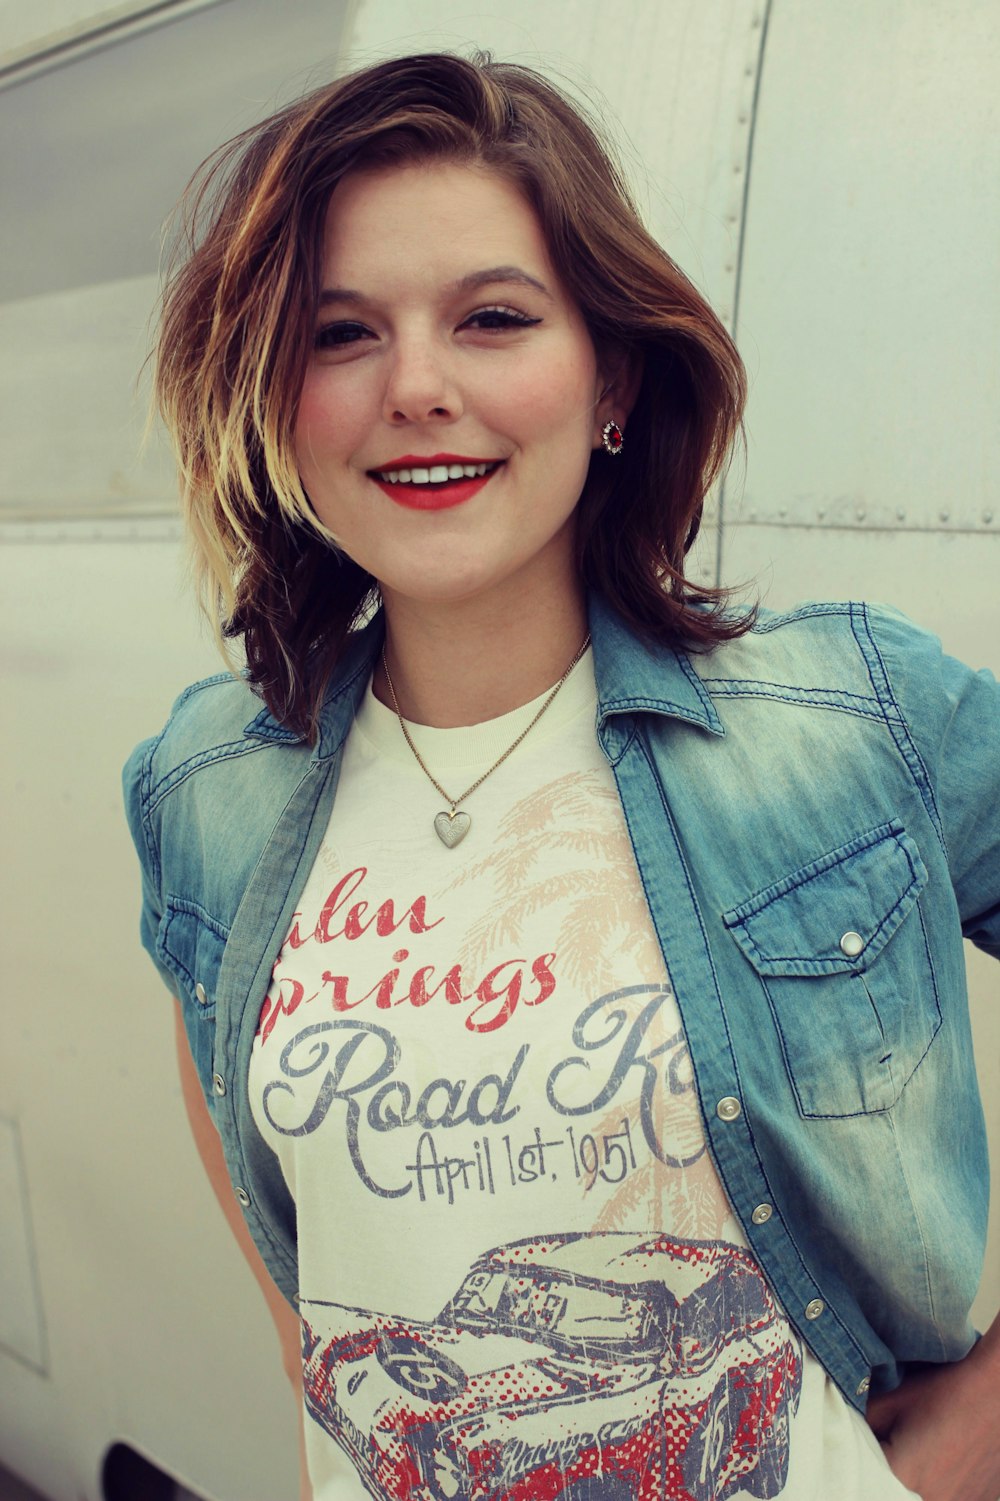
[465, 663]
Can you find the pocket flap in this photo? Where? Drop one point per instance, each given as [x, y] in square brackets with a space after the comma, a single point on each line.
[836, 913]
[191, 943]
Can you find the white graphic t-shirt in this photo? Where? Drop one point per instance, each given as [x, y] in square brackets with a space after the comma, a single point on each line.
[520, 1276]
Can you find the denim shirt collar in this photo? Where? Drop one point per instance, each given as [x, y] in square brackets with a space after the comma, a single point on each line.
[635, 675]
[341, 701]
[630, 676]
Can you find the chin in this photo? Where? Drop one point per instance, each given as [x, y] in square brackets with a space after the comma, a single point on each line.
[443, 591]
[440, 575]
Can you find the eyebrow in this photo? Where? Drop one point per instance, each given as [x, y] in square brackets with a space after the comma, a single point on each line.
[493, 276]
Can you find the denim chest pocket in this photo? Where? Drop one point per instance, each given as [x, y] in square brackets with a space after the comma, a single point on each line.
[841, 951]
[192, 943]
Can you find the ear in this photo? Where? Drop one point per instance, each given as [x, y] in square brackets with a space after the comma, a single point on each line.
[619, 384]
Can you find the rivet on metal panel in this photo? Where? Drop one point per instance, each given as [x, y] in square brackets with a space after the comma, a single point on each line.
[900, 514]
[782, 511]
[737, 168]
[944, 515]
[730, 266]
[821, 514]
[749, 70]
[987, 517]
[861, 513]
[743, 117]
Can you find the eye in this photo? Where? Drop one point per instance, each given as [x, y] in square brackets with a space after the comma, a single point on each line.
[334, 336]
[499, 319]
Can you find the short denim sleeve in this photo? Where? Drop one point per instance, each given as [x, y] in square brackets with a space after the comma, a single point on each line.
[135, 778]
[953, 715]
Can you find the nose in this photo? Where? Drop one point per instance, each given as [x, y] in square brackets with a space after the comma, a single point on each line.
[420, 384]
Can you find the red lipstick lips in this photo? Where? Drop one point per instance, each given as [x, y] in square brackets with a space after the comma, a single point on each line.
[438, 496]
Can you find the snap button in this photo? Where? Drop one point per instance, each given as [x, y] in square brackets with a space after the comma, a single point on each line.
[814, 1308]
[243, 1197]
[218, 1084]
[762, 1214]
[852, 943]
[863, 1385]
[728, 1109]
[200, 994]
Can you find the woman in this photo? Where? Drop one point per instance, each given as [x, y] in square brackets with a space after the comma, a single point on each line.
[602, 1102]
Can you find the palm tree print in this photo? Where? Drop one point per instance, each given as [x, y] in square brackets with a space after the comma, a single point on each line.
[565, 850]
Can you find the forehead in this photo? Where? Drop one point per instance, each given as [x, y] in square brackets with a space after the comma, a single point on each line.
[431, 218]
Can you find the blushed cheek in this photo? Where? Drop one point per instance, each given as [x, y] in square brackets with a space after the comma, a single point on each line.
[565, 398]
[335, 418]
[307, 437]
[322, 434]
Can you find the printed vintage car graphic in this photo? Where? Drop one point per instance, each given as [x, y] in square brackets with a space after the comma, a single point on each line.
[600, 1367]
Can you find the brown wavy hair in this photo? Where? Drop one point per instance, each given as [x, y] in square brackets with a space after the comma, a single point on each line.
[237, 330]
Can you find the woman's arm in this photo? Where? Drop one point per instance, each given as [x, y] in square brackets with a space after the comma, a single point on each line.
[940, 1429]
[210, 1150]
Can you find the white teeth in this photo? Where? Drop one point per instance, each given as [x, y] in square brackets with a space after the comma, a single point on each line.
[435, 474]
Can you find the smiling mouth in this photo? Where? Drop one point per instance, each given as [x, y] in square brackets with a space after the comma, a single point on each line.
[434, 474]
[435, 487]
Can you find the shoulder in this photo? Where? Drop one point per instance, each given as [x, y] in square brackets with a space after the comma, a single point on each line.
[219, 719]
[861, 658]
[868, 661]
[852, 647]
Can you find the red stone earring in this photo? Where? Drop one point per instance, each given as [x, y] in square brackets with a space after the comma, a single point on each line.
[612, 438]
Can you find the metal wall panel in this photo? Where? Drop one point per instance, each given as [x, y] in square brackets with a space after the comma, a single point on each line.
[870, 294]
[157, 1334]
[97, 152]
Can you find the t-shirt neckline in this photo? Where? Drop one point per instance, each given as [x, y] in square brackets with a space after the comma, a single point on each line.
[478, 744]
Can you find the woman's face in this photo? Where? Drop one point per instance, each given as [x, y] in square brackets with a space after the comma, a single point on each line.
[444, 343]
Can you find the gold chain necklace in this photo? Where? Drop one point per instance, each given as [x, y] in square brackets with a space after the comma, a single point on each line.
[450, 825]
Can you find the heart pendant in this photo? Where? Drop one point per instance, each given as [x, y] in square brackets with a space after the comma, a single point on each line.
[451, 828]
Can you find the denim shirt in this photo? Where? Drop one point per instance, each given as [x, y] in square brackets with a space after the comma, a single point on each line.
[815, 815]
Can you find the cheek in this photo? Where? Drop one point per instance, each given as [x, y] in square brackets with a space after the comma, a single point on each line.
[310, 428]
[561, 399]
[329, 421]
